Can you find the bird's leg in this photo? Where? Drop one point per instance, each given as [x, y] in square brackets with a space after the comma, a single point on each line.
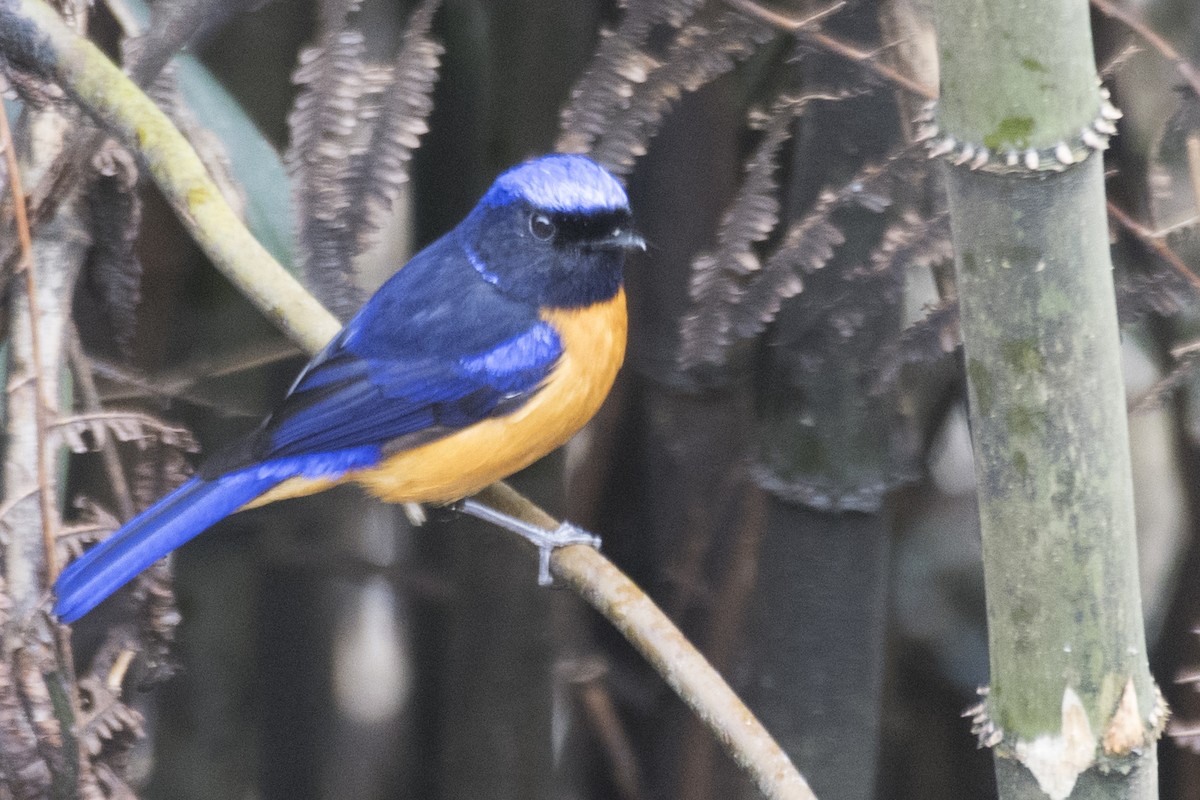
[546, 541]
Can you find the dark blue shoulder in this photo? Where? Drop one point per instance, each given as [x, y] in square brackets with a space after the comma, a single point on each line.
[437, 305]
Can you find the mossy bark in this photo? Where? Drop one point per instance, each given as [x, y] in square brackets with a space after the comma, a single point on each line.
[1047, 409]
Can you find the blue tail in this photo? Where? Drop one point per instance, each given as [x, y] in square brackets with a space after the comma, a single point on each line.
[149, 536]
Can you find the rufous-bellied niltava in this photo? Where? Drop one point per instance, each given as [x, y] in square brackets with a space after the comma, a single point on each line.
[486, 351]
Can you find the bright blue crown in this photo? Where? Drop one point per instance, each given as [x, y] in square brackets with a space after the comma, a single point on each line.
[567, 183]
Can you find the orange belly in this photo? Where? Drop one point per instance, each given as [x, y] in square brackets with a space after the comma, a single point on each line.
[462, 463]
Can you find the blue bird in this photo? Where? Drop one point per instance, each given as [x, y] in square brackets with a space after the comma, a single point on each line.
[486, 351]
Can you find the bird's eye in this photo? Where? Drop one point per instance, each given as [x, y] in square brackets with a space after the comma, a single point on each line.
[541, 226]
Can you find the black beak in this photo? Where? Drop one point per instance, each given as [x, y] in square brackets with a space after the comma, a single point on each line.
[619, 239]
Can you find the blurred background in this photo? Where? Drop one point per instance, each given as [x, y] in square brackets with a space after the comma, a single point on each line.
[797, 495]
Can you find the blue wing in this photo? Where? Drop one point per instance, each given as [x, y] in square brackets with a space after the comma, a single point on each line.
[346, 400]
[435, 350]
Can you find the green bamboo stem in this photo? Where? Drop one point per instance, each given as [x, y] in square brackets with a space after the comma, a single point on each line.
[1072, 710]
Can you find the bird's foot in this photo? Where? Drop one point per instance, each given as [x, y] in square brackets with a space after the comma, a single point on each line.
[546, 541]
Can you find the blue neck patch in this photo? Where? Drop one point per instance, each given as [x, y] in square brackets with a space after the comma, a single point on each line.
[570, 184]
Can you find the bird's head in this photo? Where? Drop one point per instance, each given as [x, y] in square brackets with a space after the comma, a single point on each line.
[553, 231]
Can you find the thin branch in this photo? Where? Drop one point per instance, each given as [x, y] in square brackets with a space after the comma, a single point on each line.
[46, 500]
[783, 21]
[726, 628]
[1134, 23]
[601, 714]
[1155, 242]
[181, 382]
[685, 670]
[32, 34]
[803, 27]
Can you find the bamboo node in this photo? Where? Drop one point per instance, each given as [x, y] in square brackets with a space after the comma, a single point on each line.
[1056, 761]
[1092, 138]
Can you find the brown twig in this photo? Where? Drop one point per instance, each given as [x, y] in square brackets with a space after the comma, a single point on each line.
[601, 714]
[1155, 242]
[26, 240]
[1134, 23]
[784, 21]
[804, 27]
[685, 670]
[725, 630]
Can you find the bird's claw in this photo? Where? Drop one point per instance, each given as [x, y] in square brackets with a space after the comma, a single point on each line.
[548, 541]
[544, 539]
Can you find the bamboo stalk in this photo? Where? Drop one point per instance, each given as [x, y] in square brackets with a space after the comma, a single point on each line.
[1072, 710]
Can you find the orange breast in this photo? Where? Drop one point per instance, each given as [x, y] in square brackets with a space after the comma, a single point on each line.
[462, 463]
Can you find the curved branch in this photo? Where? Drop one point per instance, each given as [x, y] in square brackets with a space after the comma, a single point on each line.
[685, 670]
[27, 266]
[33, 36]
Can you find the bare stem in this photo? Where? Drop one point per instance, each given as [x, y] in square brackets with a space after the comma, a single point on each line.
[685, 670]
[1134, 23]
[805, 27]
[45, 497]
[1155, 242]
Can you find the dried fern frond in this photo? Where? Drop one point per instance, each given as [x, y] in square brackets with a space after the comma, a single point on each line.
[699, 54]
[114, 219]
[106, 722]
[718, 277]
[23, 769]
[914, 241]
[158, 618]
[620, 64]
[807, 246]
[31, 661]
[928, 339]
[93, 523]
[322, 122]
[353, 129]
[811, 241]
[126, 426]
[732, 305]
[110, 786]
[158, 470]
[398, 110]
